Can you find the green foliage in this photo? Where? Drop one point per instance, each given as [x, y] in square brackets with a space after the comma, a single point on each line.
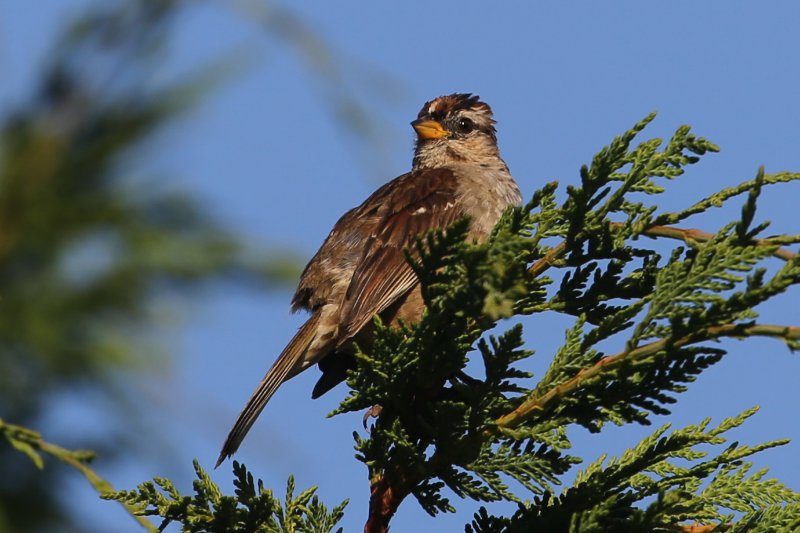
[473, 433]
[602, 495]
[252, 509]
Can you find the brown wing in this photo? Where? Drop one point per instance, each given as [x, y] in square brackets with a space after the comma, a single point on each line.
[419, 202]
[336, 260]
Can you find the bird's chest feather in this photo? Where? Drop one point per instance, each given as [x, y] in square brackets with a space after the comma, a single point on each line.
[484, 196]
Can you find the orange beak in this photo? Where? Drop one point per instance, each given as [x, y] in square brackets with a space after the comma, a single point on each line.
[429, 129]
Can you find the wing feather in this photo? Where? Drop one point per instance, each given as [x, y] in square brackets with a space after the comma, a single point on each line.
[424, 201]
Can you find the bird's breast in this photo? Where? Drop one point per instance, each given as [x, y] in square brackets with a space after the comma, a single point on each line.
[485, 195]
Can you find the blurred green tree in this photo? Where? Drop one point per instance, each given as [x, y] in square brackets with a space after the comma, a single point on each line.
[85, 249]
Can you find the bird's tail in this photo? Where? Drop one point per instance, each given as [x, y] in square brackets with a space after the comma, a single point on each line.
[277, 374]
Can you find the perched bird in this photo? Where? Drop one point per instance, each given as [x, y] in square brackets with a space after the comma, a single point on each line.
[361, 269]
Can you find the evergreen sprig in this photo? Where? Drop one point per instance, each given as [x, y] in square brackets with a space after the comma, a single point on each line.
[612, 494]
[252, 509]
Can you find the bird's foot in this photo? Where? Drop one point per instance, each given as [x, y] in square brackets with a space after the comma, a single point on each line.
[372, 412]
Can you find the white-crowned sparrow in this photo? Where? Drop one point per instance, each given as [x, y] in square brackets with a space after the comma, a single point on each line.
[361, 269]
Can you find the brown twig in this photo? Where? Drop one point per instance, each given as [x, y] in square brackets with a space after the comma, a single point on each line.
[695, 235]
[547, 261]
[689, 236]
[386, 495]
[390, 487]
[539, 404]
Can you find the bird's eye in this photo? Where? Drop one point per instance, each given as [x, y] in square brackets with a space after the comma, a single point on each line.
[465, 125]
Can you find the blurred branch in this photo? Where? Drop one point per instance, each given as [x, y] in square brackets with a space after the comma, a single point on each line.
[31, 443]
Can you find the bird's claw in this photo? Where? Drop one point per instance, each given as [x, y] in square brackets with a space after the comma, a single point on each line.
[372, 412]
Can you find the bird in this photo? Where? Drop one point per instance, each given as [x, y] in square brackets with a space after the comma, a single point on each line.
[361, 269]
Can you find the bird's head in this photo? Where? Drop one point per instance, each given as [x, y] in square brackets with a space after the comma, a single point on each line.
[454, 128]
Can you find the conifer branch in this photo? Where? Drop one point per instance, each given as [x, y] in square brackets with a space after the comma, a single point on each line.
[719, 198]
[252, 507]
[540, 404]
[689, 236]
[693, 235]
[539, 266]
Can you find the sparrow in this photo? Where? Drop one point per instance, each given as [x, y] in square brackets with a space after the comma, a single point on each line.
[361, 269]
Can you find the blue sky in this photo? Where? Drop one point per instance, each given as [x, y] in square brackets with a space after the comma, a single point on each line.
[268, 155]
